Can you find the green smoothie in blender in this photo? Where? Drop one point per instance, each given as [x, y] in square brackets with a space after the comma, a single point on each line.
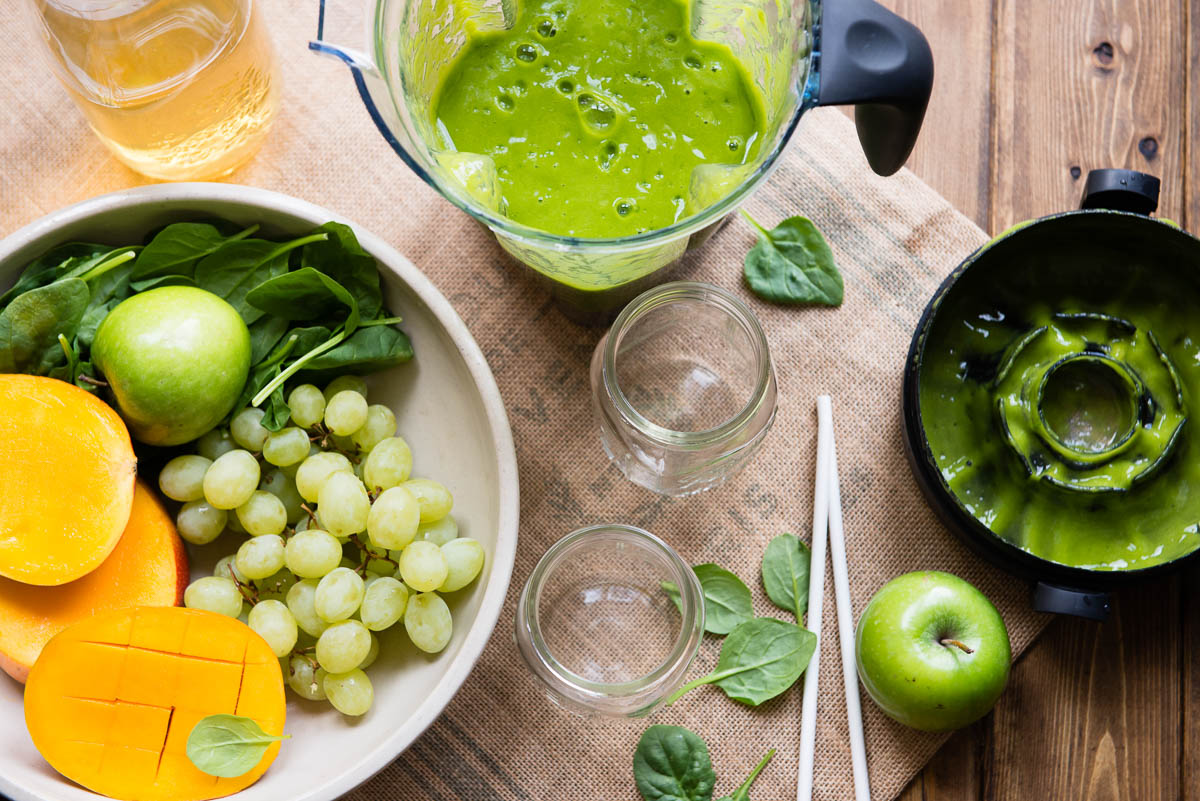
[594, 114]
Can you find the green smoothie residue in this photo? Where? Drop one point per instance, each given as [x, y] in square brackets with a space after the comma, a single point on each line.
[596, 112]
[1063, 423]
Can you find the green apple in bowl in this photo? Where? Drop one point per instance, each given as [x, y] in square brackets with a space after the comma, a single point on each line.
[176, 360]
[933, 652]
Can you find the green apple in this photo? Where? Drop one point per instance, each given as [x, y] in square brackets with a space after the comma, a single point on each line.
[176, 359]
[933, 651]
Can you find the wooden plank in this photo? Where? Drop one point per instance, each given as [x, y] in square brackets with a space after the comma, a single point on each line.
[1093, 712]
[952, 153]
[956, 772]
[1191, 143]
[1081, 84]
[1189, 765]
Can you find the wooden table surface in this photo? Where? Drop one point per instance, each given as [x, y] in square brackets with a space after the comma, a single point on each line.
[1028, 97]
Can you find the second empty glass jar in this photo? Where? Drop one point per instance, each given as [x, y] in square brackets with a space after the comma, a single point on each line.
[683, 388]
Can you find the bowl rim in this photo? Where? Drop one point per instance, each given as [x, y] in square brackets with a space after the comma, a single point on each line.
[945, 504]
[504, 555]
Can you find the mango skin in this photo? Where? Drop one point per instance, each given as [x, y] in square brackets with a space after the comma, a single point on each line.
[176, 359]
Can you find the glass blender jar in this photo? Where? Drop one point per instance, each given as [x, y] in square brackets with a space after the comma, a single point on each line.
[800, 54]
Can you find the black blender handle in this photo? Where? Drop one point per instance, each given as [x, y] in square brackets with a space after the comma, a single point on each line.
[881, 64]
[1059, 600]
[1120, 190]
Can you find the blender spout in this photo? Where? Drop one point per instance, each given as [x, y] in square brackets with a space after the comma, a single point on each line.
[352, 58]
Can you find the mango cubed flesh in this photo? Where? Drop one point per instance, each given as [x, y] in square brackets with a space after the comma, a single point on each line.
[112, 699]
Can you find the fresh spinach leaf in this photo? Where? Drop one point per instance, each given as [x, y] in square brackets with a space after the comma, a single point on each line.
[742, 793]
[785, 570]
[309, 337]
[85, 334]
[177, 248]
[672, 764]
[370, 349]
[727, 600]
[305, 294]
[344, 260]
[264, 373]
[760, 659]
[31, 323]
[792, 263]
[92, 268]
[233, 270]
[265, 335]
[50, 265]
[160, 280]
[228, 745]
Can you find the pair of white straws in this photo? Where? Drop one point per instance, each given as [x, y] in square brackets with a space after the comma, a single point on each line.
[827, 525]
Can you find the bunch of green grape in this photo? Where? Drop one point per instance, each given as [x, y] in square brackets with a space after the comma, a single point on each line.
[341, 543]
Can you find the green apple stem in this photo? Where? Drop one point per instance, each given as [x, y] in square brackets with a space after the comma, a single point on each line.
[959, 644]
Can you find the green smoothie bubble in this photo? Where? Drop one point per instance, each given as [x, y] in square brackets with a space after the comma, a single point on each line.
[594, 114]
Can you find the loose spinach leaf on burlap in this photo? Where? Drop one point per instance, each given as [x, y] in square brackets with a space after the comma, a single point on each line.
[742, 793]
[792, 263]
[228, 745]
[177, 248]
[238, 267]
[672, 764]
[727, 600]
[785, 569]
[31, 324]
[760, 659]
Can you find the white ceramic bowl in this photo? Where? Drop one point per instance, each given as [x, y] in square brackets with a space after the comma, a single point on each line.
[449, 410]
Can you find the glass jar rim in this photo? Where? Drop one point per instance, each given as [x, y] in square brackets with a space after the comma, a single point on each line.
[658, 296]
[691, 614]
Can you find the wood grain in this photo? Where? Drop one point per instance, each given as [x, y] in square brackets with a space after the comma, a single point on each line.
[1092, 712]
[956, 137]
[1191, 140]
[1079, 85]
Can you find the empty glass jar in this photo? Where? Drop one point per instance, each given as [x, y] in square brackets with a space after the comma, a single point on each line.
[610, 620]
[683, 388]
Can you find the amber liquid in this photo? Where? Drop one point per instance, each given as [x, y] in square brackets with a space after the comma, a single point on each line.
[177, 89]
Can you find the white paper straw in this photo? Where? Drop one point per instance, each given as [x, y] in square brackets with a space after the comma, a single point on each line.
[841, 591]
[816, 589]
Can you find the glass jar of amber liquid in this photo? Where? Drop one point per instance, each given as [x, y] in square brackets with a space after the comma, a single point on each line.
[177, 89]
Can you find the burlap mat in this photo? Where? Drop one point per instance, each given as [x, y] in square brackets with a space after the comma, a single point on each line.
[894, 239]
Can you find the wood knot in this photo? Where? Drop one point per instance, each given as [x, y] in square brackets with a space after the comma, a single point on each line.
[1076, 172]
[1148, 147]
[1103, 54]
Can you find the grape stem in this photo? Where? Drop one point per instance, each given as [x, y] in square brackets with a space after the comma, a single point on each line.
[324, 438]
[368, 555]
[312, 516]
[249, 592]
